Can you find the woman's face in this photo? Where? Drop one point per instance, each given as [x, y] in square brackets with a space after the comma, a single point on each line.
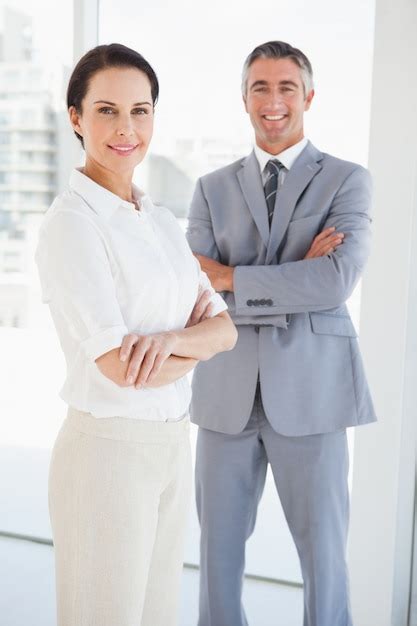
[116, 120]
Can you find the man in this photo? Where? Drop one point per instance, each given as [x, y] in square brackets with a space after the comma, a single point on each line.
[295, 380]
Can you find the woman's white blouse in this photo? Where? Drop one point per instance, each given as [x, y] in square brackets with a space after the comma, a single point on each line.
[107, 269]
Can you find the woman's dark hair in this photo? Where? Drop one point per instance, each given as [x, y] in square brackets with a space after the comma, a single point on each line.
[100, 58]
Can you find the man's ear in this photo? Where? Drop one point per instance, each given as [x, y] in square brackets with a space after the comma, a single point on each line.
[74, 117]
[308, 100]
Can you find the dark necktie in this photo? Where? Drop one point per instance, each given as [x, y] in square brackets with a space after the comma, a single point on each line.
[273, 168]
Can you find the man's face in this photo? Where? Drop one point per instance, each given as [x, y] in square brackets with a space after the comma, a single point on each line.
[275, 102]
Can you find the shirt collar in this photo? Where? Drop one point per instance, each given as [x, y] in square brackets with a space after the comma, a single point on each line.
[103, 201]
[287, 157]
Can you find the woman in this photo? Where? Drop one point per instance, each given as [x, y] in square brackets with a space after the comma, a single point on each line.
[121, 283]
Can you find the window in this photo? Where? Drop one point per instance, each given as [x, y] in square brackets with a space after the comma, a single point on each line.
[35, 179]
[4, 119]
[31, 364]
[200, 126]
[5, 156]
[35, 158]
[35, 137]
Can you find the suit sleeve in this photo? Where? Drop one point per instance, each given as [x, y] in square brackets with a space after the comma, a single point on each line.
[321, 283]
[200, 234]
[201, 238]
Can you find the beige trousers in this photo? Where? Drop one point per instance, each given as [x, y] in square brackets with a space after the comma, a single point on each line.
[119, 491]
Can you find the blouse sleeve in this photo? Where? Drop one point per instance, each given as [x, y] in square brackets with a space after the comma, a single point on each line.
[77, 282]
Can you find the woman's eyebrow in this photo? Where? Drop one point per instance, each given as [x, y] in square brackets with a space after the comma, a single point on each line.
[113, 104]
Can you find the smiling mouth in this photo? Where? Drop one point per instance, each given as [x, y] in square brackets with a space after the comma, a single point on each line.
[124, 150]
[273, 118]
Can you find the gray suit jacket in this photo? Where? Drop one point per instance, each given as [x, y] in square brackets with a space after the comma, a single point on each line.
[294, 327]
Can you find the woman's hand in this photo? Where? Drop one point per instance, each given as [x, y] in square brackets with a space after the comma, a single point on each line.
[147, 355]
[202, 310]
[324, 243]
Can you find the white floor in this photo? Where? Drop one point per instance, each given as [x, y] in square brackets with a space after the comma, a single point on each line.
[27, 591]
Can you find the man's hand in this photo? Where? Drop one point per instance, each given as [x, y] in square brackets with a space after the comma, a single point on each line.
[147, 355]
[325, 243]
[220, 276]
[202, 310]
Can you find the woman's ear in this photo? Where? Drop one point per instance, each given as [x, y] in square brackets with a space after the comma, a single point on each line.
[75, 119]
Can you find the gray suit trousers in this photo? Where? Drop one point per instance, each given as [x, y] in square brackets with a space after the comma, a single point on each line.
[310, 474]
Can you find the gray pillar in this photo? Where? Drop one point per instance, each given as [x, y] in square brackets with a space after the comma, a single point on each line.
[381, 535]
[86, 15]
[85, 37]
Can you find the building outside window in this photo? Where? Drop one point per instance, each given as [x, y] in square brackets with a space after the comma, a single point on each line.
[36, 150]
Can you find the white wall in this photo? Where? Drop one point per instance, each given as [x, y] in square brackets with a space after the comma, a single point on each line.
[384, 464]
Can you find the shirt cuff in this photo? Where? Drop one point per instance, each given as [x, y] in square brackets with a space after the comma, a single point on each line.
[104, 341]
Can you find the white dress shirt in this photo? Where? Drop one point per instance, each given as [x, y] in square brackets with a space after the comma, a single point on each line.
[108, 269]
[286, 157]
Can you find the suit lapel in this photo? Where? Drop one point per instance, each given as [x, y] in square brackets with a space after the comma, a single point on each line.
[301, 173]
[250, 181]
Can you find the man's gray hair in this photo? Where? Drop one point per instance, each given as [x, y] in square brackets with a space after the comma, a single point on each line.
[279, 50]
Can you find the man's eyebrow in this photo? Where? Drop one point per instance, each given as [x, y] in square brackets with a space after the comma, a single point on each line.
[113, 104]
[288, 82]
[258, 83]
